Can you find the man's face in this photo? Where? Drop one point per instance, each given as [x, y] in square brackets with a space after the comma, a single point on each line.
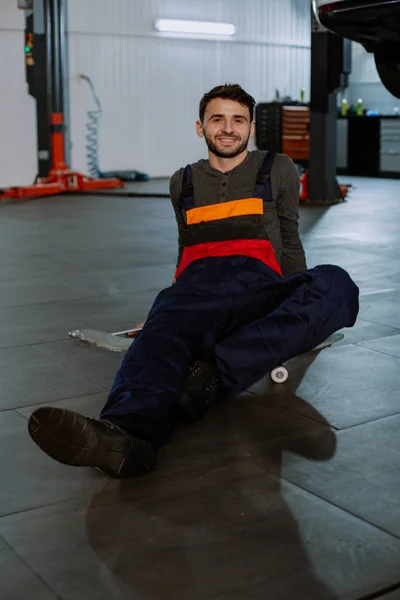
[226, 127]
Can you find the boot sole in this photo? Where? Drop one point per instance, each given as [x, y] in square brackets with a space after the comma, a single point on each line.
[75, 440]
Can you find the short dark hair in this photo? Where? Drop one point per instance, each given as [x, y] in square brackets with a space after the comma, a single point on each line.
[229, 91]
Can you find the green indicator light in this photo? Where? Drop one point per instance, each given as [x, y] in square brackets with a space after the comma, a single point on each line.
[27, 49]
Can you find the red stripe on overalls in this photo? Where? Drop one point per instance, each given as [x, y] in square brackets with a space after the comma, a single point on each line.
[260, 249]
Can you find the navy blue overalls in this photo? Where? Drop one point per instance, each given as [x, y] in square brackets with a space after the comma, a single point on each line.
[230, 305]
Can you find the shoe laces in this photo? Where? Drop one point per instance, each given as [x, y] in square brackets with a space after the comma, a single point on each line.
[204, 373]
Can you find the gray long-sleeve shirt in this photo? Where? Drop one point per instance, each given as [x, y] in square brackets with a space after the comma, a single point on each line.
[280, 216]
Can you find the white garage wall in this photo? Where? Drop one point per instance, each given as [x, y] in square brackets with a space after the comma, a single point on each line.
[17, 108]
[365, 83]
[150, 86]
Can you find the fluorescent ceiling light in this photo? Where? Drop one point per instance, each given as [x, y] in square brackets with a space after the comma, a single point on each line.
[202, 27]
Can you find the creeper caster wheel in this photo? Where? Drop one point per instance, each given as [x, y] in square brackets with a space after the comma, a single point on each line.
[279, 375]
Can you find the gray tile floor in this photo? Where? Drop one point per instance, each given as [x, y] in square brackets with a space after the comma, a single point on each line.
[289, 492]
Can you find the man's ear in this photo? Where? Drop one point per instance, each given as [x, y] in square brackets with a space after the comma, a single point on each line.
[252, 128]
[199, 129]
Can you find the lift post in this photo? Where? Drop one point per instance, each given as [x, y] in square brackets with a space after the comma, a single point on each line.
[330, 68]
[46, 60]
[308, 133]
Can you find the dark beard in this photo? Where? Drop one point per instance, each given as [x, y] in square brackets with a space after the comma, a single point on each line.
[228, 152]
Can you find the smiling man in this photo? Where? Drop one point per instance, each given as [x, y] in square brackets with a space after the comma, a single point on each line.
[242, 301]
[230, 173]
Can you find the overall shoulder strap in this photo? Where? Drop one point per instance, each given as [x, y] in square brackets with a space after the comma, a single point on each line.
[263, 187]
[186, 199]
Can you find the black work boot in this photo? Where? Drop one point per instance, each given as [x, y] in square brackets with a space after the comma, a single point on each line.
[76, 440]
[203, 387]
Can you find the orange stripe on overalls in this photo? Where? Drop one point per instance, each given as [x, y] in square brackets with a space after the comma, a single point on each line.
[225, 210]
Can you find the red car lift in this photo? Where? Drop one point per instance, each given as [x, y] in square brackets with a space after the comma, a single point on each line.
[46, 67]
